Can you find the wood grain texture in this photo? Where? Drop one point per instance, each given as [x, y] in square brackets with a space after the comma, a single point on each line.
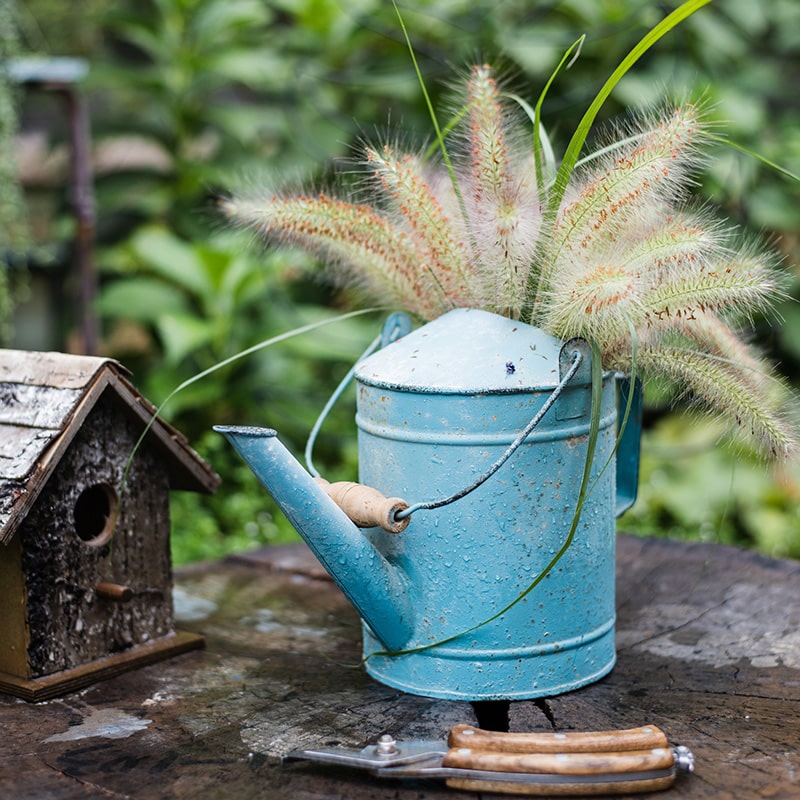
[561, 763]
[609, 789]
[708, 650]
[642, 738]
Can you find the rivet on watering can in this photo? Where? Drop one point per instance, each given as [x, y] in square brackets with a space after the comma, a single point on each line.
[386, 745]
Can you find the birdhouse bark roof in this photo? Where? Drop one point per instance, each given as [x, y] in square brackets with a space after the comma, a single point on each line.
[44, 399]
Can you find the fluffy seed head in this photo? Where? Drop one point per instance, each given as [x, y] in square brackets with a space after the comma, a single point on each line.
[625, 259]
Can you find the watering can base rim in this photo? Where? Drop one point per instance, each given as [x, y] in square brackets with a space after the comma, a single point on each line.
[518, 677]
[442, 693]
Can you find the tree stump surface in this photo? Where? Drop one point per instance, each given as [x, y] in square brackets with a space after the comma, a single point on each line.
[708, 649]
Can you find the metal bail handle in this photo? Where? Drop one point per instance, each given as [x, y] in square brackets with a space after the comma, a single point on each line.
[396, 326]
[575, 358]
[575, 363]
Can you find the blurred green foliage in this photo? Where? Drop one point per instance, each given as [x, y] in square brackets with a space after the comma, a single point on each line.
[204, 96]
[14, 232]
[690, 487]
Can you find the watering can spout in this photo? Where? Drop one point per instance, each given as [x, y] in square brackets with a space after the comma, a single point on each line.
[378, 590]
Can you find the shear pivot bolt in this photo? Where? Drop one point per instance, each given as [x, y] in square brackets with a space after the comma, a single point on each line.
[684, 758]
[386, 745]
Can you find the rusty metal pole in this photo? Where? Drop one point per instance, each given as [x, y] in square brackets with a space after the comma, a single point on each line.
[84, 207]
[64, 75]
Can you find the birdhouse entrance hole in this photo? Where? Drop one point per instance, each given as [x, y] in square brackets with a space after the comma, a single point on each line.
[94, 514]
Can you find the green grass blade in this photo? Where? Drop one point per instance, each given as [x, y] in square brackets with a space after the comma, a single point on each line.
[434, 121]
[757, 156]
[426, 96]
[573, 151]
[535, 115]
[544, 157]
[572, 52]
[214, 368]
[582, 131]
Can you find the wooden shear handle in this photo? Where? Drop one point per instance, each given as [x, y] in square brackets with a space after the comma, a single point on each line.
[644, 738]
[624, 754]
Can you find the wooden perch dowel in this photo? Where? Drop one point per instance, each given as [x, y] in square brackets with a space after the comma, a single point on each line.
[113, 591]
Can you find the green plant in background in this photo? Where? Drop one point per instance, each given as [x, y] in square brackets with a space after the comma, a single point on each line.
[281, 95]
[14, 234]
[62, 29]
[203, 304]
[213, 90]
[233, 520]
[692, 489]
[188, 63]
[202, 301]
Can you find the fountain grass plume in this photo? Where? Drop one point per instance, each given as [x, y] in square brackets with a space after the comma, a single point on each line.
[624, 260]
[501, 192]
[362, 247]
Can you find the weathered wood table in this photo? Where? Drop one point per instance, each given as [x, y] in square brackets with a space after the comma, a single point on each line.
[709, 650]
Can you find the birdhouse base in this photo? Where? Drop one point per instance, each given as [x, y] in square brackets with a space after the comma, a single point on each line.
[37, 689]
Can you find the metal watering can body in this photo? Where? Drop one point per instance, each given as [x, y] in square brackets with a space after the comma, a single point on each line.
[447, 603]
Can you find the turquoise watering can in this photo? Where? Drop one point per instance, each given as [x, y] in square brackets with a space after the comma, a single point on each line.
[473, 434]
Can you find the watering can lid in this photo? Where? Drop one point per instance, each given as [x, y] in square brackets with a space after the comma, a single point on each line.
[466, 351]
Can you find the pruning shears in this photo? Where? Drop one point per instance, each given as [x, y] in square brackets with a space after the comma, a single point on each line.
[581, 763]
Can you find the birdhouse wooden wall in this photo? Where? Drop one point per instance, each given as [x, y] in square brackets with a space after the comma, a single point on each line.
[85, 568]
[72, 546]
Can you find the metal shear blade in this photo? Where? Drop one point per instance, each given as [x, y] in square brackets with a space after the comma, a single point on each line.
[372, 759]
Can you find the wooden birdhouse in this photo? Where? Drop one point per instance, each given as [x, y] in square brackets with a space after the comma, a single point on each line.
[85, 568]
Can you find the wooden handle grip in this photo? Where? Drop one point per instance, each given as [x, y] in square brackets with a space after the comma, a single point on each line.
[645, 738]
[566, 789]
[632, 761]
[365, 506]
